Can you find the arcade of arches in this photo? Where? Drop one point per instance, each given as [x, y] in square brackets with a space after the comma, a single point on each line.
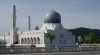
[30, 40]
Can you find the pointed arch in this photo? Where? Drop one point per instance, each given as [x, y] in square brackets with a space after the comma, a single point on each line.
[34, 40]
[31, 40]
[28, 41]
[25, 41]
[38, 40]
[22, 41]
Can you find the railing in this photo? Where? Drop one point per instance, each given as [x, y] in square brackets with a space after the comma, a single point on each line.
[52, 49]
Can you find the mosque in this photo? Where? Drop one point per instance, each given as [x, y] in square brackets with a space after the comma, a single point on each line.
[37, 37]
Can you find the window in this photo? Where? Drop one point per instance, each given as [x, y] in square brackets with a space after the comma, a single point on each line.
[38, 40]
[64, 41]
[60, 41]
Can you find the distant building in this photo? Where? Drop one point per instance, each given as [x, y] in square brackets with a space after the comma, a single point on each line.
[37, 37]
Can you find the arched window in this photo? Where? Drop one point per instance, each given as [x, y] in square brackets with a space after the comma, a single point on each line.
[34, 40]
[22, 41]
[28, 41]
[31, 41]
[38, 40]
[25, 41]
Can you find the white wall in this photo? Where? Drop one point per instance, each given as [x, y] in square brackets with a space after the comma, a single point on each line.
[30, 34]
[70, 39]
[1, 37]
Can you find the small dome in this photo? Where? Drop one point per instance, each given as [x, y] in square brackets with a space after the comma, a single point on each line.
[36, 28]
[52, 17]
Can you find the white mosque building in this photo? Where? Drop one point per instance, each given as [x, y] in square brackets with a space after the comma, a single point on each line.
[37, 37]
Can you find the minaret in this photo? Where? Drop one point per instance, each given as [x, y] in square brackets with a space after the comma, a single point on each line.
[14, 17]
[14, 37]
[29, 23]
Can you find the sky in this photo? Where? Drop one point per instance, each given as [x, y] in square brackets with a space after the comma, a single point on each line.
[74, 13]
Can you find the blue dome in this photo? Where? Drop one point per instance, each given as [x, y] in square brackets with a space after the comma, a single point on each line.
[52, 17]
[36, 28]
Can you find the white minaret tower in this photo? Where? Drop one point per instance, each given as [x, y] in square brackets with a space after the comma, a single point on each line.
[29, 23]
[13, 31]
[14, 17]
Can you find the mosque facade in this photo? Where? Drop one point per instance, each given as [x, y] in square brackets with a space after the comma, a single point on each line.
[37, 37]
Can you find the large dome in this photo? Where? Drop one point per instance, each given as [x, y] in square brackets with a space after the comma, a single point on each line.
[52, 17]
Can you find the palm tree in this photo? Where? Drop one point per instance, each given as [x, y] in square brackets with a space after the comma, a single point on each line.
[89, 37]
[79, 39]
[51, 37]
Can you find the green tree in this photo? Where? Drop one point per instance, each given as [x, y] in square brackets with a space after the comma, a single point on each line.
[97, 41]
[81, 31]
[89, 37]
[51, 37]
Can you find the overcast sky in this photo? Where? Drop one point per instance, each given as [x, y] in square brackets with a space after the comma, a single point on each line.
[74, 13]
